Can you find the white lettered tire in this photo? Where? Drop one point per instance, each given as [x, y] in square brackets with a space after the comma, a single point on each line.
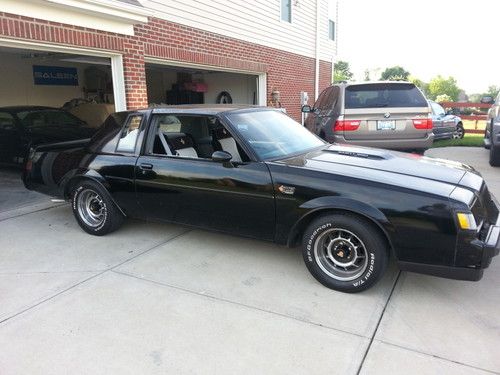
[345, 252]
[94, 209]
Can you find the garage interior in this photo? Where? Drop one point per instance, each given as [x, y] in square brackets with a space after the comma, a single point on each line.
[88, 93]
[181, 85]
[78, 83]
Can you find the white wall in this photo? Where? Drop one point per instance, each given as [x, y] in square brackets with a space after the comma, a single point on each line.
[256, 21]
[18, 88]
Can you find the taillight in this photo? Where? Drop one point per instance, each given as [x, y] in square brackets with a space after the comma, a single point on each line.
[346, 125]
[422, 123]
[28, 166]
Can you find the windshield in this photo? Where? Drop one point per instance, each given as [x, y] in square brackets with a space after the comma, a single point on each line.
[274, 135]
[382, 95]
[47, 118]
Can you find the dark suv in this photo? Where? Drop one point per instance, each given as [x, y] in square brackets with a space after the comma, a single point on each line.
[393, 115]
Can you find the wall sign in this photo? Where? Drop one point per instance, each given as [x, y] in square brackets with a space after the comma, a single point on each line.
[55, 75]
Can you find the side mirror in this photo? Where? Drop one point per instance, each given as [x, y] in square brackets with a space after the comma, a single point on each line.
[306, 109]
[221, 156]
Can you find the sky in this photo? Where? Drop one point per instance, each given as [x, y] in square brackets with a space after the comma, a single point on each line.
[427, 38]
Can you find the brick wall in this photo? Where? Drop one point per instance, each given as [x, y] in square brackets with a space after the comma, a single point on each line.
[287, 72]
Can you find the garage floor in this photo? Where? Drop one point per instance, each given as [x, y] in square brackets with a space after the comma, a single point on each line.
[155, 299]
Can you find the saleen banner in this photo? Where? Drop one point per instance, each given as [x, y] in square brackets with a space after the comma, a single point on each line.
[55, 75]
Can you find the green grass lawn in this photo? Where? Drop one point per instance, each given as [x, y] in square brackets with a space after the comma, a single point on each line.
[469, 140]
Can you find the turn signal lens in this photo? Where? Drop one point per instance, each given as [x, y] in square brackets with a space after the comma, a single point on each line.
[466, 221]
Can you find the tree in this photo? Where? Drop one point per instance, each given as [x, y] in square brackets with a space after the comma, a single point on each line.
[424, 86]
[440, 85]
[341, 71]
[443, 98]
[493, 91]
[395, 73]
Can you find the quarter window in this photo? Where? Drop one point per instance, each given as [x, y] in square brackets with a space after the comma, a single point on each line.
[286, 10]
[129, 134]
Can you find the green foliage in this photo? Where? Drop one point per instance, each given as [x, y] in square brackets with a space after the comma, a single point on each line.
[341, 71]
[424, 86]
[440, 85]
[395, 73]
[493, 91]
[443, 98]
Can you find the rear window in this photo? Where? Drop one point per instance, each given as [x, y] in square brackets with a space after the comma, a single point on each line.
[384, 95]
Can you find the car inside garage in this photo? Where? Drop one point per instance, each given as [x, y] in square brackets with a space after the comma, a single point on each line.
[47, 96]
[172, 85]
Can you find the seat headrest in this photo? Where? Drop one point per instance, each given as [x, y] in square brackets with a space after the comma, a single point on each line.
[221, 133]
[179, 141]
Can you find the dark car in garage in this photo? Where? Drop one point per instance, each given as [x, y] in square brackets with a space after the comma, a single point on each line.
[256, 172]
[22, 127]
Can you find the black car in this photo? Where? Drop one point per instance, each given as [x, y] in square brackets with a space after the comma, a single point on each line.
[256, 172]
[25, 126]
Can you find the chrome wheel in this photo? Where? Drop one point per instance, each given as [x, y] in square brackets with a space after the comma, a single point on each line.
[91, 208]
[340, 254]
[459, 133]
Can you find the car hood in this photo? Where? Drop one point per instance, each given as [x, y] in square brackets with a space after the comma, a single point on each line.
[387, 166]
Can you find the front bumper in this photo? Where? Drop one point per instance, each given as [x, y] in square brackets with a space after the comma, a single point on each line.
[489, 248]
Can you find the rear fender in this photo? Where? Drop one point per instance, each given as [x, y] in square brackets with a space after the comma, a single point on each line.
[69, 181]
[317, 206]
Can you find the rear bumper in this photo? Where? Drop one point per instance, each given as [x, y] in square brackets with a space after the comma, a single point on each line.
[393, 144]
[490, 248]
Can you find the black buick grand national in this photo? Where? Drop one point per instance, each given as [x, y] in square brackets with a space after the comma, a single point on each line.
[255, 172]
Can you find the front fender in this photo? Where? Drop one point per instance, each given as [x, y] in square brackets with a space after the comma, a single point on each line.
[332, 203]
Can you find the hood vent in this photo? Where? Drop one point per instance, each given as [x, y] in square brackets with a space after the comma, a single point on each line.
[358, 154]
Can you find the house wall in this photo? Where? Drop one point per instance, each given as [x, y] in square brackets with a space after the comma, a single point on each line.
[288, 72]
[256, 21]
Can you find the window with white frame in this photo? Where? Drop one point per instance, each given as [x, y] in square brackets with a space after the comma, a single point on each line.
[331, 30]
[286, 10]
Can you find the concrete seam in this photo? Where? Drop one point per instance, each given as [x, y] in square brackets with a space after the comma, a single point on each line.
[236, 303]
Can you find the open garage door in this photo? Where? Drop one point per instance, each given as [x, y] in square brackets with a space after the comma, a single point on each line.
[47, 96]
[168, 84]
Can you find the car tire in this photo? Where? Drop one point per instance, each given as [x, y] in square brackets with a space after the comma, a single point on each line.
[495, 155]
[345, 252]
[94, 209]
[459, 131]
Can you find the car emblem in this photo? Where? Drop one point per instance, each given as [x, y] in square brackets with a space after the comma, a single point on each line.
[387, 115]
[224, 131]
[290, 190]
[183, 141]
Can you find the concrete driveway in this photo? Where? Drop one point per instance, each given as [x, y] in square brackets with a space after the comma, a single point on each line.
[156, 299]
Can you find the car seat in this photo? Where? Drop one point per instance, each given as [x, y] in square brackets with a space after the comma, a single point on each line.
[223, 140]
[182, 145]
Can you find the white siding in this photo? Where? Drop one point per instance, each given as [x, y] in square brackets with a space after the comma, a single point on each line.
[256, 21]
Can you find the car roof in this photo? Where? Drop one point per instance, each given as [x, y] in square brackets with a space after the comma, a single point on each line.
[378, 83]
[206, 109]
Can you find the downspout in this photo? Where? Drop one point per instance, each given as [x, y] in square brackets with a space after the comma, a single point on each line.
[316, 70]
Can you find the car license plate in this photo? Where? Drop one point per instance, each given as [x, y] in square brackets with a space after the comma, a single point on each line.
[386, 125]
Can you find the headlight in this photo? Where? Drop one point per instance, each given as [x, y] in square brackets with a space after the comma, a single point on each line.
[466, 221]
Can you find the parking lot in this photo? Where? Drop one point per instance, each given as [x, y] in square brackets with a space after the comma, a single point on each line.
[156, 298]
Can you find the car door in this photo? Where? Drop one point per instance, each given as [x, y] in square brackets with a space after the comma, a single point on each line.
[190, 188]
[437, 119]
[11, 150]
